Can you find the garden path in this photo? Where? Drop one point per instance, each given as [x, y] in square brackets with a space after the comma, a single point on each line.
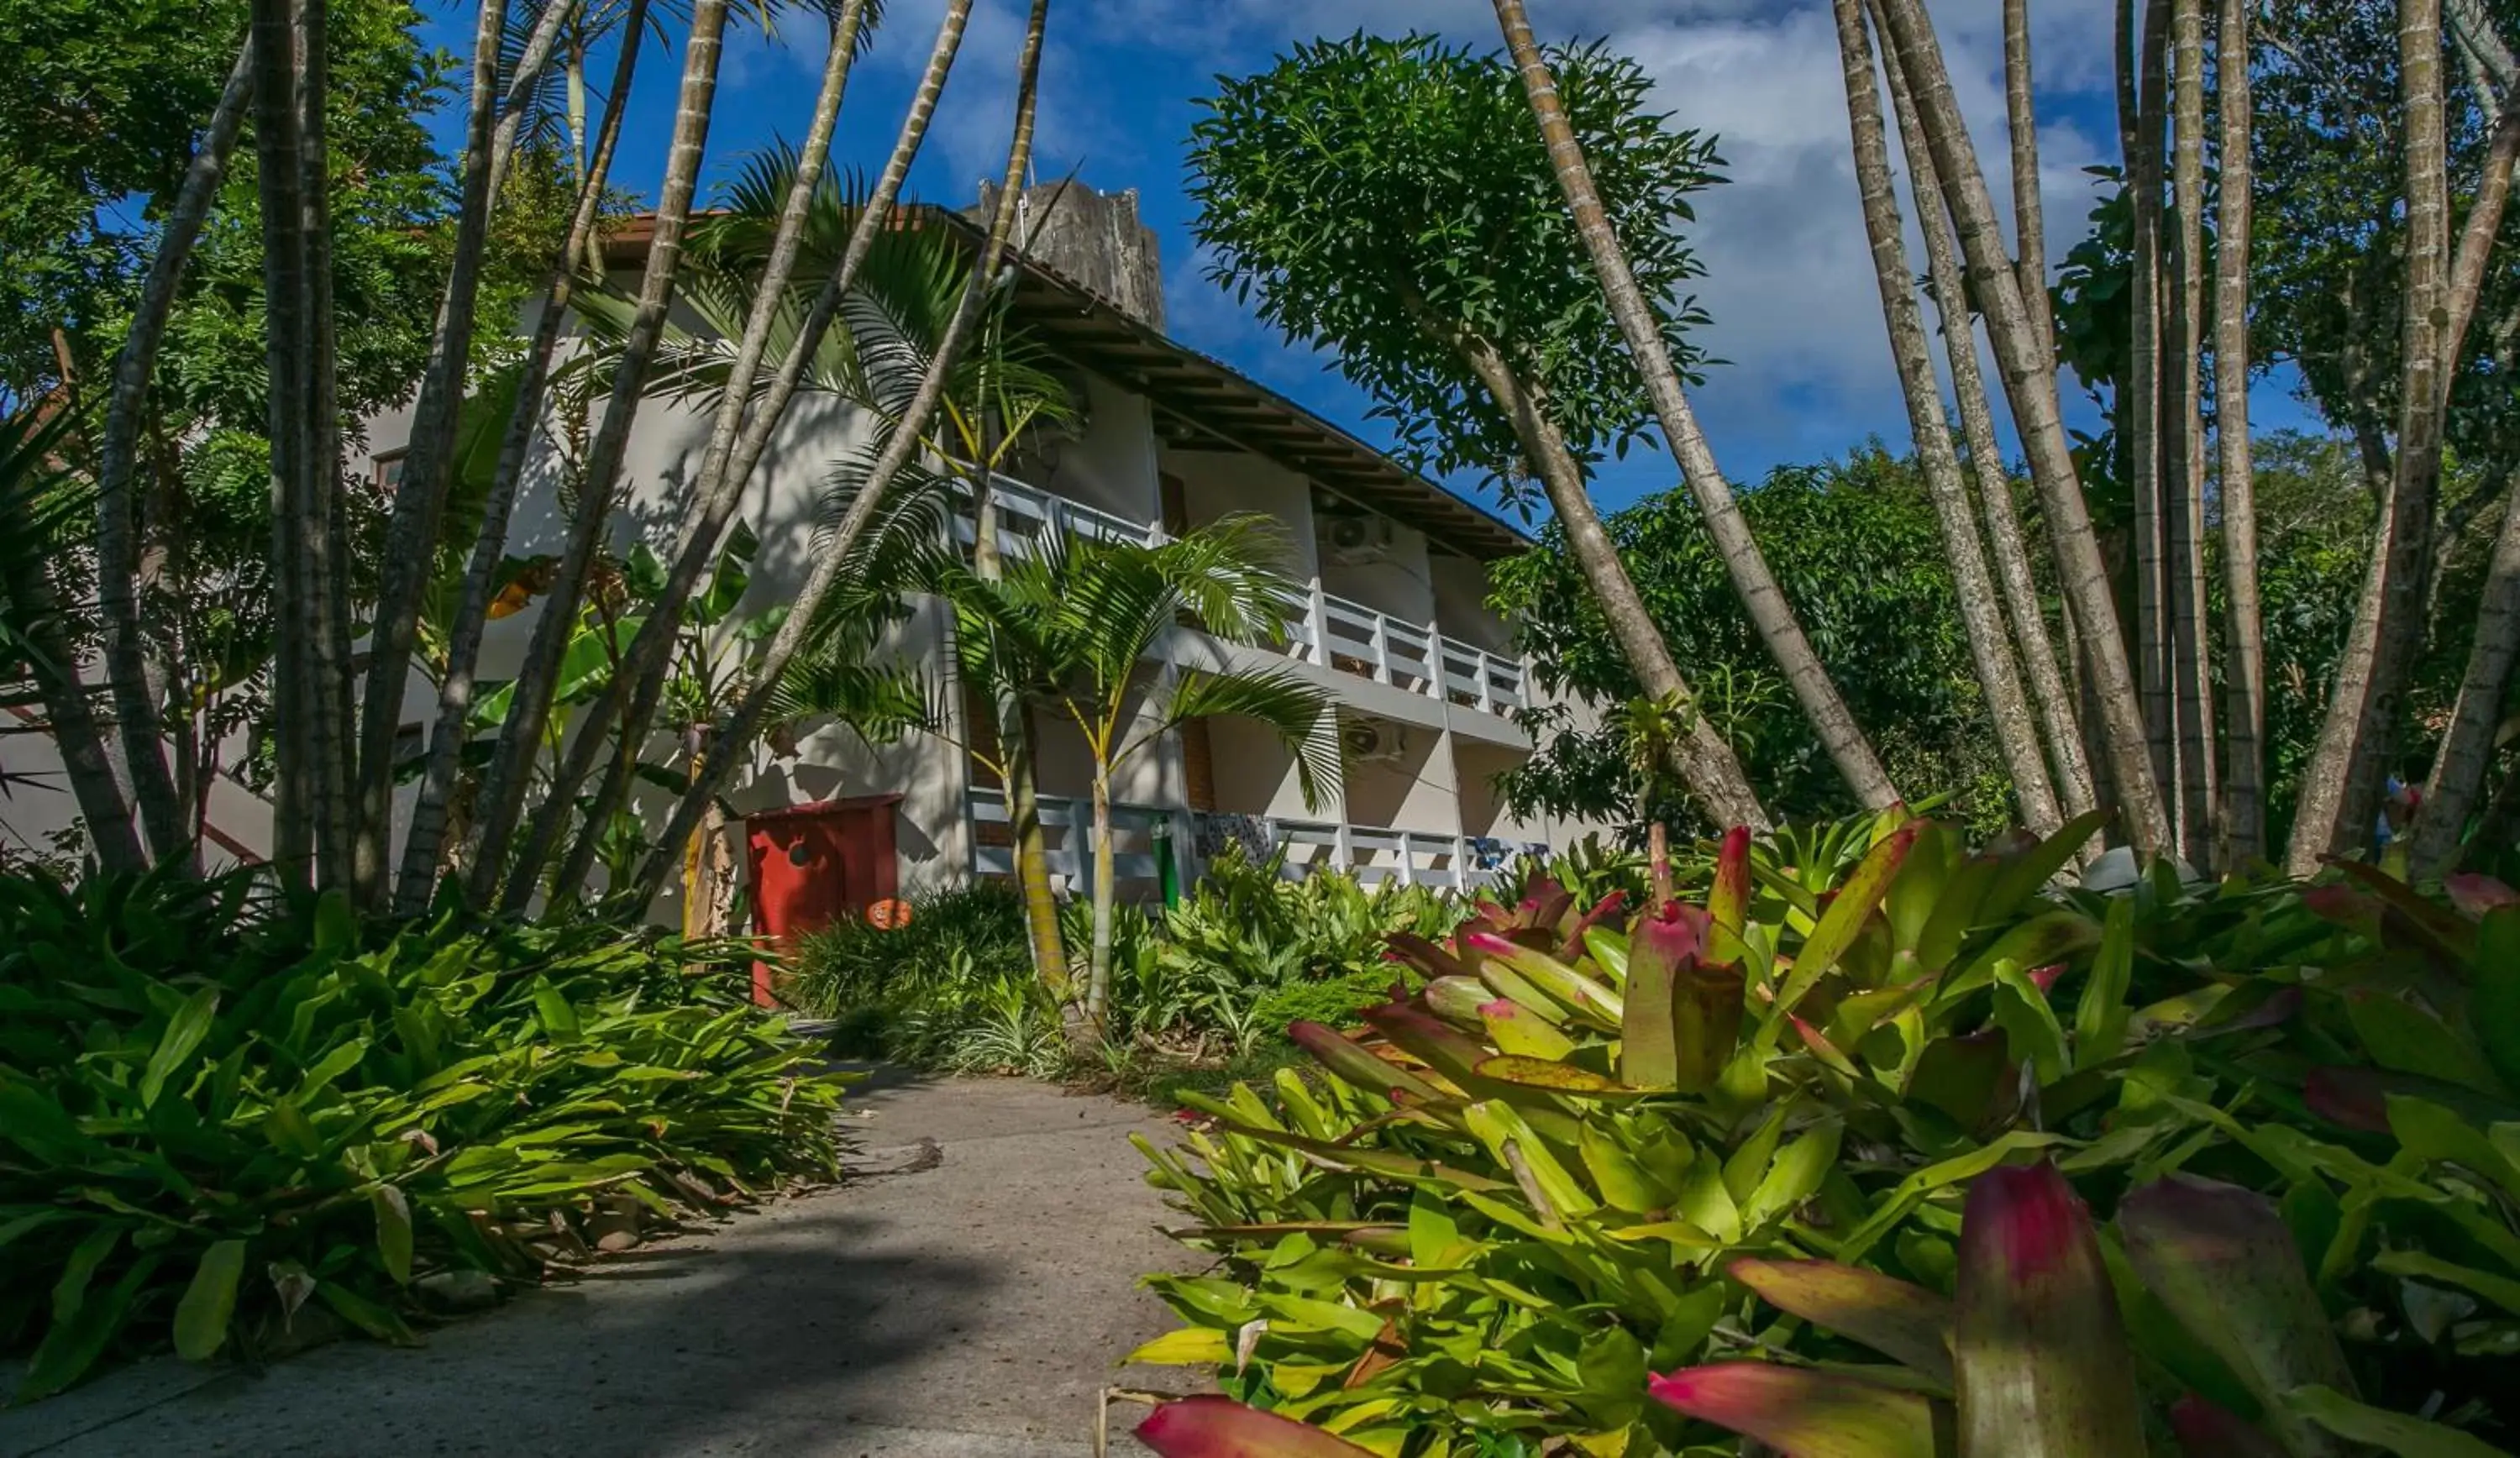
[970, 1309]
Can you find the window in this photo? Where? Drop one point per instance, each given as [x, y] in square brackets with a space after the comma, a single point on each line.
[386, 471]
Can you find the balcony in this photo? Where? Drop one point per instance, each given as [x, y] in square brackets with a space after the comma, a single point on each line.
[1322, 628]
[1374, 854]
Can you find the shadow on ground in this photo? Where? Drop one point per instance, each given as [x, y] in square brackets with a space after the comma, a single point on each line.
[974, 1309]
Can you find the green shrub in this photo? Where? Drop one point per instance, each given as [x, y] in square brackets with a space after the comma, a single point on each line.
[853, 964]
[1247, 935]
[216, 1107]
[1338, 1000]
[1531, 1185]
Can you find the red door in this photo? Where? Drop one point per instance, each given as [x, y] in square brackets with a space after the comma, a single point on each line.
[815, 864]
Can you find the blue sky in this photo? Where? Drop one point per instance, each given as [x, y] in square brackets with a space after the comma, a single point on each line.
[1796, 318]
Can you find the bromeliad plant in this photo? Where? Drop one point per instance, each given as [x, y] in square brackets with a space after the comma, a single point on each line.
[214, 1110]
[1536, 1180]
[2195, 1316]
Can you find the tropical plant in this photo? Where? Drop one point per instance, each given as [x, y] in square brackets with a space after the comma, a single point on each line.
[1641, 314]
[1066, 629]
[867, 976]
[249, 1101]
[1534, 1184]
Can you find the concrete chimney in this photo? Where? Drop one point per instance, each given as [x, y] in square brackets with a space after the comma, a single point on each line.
[1091, 238]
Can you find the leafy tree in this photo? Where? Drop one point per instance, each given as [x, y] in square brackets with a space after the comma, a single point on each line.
[1373, 195]
[1857, 548]
[1391, 203]
[106, 96]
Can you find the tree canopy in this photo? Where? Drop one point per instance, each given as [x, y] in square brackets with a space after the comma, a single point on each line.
[1855, 545]
[1376, 198]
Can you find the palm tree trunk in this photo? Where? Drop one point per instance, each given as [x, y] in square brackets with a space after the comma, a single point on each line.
[2048, 689]
[2030, 387]
[1032, 853]
[740, 724]
[2340, 790]
[1097, 987]
[2244, 670]
[1700, 757]
[2467, 746]
[118, 548]
[1014, 726]
[72, 720]
[327, 539]
[2184, 454]
[419, 494]
[295, 803]
[423, 847]
[2029, 213]
[630, 698]
[2140, 405]
[2016, 733]
[520, 740]
[1752, 581]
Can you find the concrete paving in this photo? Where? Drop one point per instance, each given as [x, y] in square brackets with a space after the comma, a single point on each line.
[974, 1309]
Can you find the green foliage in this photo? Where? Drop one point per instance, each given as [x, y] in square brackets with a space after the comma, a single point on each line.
[107, 95]
[853, 964]
[1856, 547]
[1250, 950]
[218, 1107]
[1533, 1183]
[1381, 200]
[2328, 157]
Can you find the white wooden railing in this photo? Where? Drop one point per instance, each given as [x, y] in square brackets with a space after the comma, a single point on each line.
[1028, 514]
[1322, 627]
[1374, 854]
[1341, 632]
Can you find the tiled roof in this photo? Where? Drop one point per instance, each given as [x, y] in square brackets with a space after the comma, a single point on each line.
[1203, 401]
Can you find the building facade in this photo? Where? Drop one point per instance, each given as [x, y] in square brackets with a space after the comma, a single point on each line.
[1387, 607]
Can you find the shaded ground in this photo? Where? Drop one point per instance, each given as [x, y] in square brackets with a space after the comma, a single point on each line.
[974, 1308]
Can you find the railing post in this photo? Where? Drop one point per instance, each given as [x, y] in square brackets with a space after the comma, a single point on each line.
[1185, 848]
[1381, 648]
[1320, 608]
[1462, 865]
[1080, 855]
[1343, 848]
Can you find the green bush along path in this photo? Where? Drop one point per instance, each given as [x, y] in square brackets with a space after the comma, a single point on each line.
[971, 1304]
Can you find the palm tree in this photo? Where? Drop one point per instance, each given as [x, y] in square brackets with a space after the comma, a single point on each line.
[1068, 630]
[2016, 733]
[423, 845]
[2027, 360]
[898, 446]
[2245, 708]
[1752, 581]
[503, 795]
[999, 392]
[38, 504]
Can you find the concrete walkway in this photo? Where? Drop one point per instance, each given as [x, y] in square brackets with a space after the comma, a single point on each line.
[972, 1310]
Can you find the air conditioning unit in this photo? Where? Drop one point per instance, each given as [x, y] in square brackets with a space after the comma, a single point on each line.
[1369, 741]
[1356, 540]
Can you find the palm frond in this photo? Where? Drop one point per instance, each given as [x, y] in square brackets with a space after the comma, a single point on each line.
[44, 511]
[1298, 711]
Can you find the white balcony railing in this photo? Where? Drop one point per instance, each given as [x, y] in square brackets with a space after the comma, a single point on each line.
[1374, 854]
[1341, 632]
[1322, 627]
[1028, 515]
